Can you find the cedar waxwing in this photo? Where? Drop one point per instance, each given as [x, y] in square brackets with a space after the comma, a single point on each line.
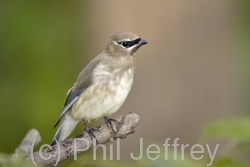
[102, 87]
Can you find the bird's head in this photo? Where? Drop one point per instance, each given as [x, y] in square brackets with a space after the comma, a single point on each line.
[124, 43]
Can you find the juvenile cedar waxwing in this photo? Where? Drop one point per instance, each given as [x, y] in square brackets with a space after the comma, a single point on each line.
[102, 87]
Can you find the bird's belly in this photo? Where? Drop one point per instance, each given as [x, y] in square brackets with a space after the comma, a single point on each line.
[99, 101]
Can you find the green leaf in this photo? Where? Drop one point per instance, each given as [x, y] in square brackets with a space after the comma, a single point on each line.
[234, 128]
[229, 162]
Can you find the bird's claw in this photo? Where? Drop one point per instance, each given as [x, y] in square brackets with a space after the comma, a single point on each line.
[91, 131]
[109, 124]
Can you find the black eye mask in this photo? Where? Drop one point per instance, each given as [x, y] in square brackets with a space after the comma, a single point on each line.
[128, 44]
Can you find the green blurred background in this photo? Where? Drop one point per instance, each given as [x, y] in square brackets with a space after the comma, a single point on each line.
[195, 69]
[39, 58]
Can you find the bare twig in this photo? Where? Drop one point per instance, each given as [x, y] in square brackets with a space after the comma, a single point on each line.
[81, 143]
[26, 144]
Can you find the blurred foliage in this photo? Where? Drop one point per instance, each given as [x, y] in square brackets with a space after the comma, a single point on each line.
[236, 131]
[39, 44]
[244, 34]
[8, 161]
[236, 128]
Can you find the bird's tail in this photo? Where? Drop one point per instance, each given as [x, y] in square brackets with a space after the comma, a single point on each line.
[65, 129]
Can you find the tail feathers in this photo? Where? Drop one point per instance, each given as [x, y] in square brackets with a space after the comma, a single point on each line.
[57, 135]
[65, 129]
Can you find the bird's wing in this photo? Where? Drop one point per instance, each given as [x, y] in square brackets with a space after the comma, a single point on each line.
[84, 80]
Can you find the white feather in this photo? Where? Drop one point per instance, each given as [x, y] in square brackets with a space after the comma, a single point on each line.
[104, 97]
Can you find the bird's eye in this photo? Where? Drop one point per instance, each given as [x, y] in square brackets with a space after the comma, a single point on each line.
[125, 44]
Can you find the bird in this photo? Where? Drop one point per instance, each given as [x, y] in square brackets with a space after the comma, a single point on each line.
[101, 87]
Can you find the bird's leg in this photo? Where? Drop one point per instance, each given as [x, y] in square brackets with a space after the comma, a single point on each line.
[90, 130]
[108, 121]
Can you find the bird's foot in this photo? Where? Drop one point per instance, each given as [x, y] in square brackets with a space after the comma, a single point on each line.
[91, 131]
[109, 124]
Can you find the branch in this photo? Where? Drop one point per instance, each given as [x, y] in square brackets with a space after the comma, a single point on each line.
[83, 142]
[26, 144]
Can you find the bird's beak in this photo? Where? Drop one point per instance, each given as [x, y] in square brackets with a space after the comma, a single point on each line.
[143, 42]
